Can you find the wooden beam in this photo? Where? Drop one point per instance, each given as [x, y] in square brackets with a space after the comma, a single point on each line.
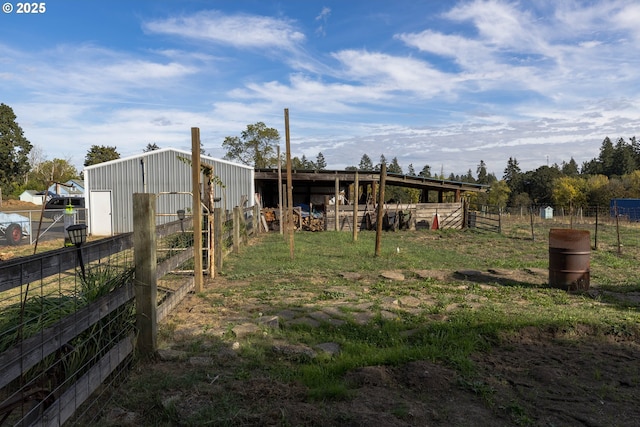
[196, 208]
[289, 186]
[145, 260]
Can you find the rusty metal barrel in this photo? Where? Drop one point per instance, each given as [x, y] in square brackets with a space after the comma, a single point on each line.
[569, 259]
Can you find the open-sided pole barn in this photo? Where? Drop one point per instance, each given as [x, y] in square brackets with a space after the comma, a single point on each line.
[316, 188]
[109, 187]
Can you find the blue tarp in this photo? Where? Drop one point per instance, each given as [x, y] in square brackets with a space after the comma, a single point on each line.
[628, 208]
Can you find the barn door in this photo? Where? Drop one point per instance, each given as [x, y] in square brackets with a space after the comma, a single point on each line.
[100, 213]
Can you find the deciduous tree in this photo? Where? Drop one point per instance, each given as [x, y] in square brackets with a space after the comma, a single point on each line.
[570, 191]
[56, 170]
[254, 147]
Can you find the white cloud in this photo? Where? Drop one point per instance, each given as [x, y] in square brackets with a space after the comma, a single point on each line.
[323, 17]
[499, 79]
[240, 31]
[384, 73]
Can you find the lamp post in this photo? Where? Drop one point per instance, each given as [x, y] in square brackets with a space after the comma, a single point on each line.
[78, 236]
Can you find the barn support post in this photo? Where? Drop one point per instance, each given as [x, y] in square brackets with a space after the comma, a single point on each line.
[145, 260]
[383, 180]
[217, 237]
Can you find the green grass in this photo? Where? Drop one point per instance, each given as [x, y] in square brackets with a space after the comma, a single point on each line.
[320, 257]
[453, 321]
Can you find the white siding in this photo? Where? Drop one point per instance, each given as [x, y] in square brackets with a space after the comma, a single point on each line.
[165, 171]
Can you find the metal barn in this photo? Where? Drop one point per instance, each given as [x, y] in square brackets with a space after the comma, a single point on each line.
[109, 187]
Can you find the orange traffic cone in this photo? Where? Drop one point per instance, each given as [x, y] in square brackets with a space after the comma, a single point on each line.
[435, 223]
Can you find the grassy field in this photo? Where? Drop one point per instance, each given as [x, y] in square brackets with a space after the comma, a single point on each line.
[471, 334]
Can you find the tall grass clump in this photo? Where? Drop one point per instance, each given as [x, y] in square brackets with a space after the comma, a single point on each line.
[37, 313]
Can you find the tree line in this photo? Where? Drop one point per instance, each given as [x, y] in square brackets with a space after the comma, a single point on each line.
[615, 173]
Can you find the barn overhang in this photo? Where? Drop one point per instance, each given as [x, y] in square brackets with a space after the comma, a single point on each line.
[323, 181]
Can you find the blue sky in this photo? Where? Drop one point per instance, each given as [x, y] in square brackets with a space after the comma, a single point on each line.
[443, 83]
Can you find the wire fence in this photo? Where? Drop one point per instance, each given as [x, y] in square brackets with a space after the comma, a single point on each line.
[32, 226]
[67, 317]
[609, 227]
[57, 326]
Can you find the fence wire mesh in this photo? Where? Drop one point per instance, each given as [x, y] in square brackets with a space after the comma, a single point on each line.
[54, 330]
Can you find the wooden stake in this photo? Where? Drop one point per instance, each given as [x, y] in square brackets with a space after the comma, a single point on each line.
[197, 209]
[383, 180]
[281, 225]
[337, 202]
[356, 199]
[289, 185]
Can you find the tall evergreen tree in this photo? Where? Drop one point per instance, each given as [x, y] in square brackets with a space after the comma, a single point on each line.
[425, 172]
[100, 154]
[481, 171]
[320, 164]
[469, 177]
[14, 151]
[365, 163]
[513, 177]
[410, 170]
[383, 161]
[394, 166]
[570, 168]
[607, 158]
[623, 158]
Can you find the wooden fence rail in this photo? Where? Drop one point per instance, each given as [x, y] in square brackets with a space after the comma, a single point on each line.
[484, 221]
[24, 367]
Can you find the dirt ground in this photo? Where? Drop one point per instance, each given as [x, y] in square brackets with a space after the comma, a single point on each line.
[534, 378]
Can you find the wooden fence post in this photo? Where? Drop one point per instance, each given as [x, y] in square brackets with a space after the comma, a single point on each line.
[355, 201]
[217, 237]
[197, 209]
[145, 259]
[243, 221]
[337, 199]
[236, 229]
[256, 219]
[379, 213]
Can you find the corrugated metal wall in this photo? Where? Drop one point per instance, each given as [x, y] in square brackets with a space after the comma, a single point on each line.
[162, 171]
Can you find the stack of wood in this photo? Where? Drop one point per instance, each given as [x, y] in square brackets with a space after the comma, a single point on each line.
[270, 216]
[313, 224]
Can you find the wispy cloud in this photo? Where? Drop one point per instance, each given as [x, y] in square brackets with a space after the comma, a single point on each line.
[240, 30]
[323, 18]
[481, 79]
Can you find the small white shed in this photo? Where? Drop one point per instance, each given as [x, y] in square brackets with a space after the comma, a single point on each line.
[546, 213]
[32, 196]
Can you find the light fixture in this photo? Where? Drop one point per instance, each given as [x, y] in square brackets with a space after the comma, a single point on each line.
[78, 236]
